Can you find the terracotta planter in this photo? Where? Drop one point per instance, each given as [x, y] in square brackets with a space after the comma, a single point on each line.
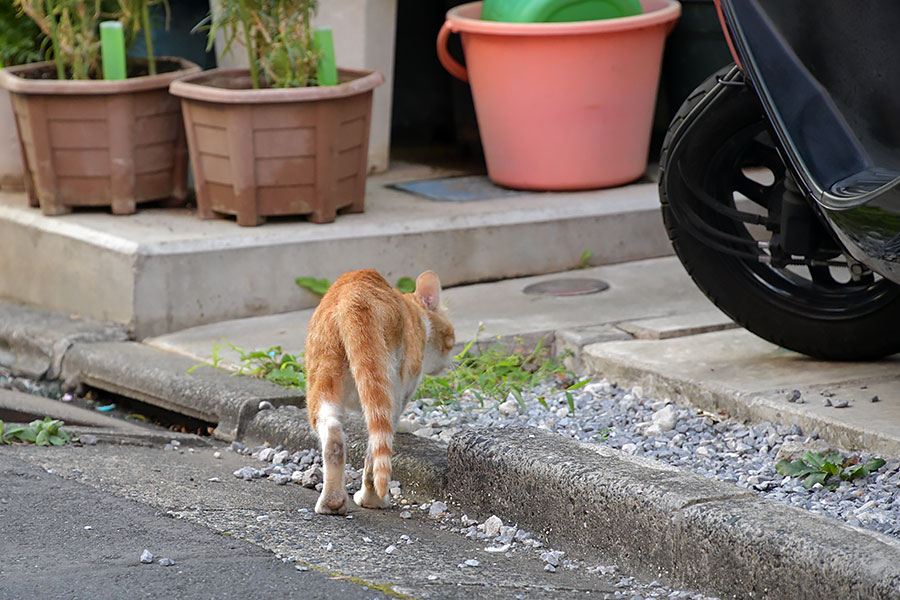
[99, 143]
[274, 152]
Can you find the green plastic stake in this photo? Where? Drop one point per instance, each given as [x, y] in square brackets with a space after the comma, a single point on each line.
[326, 71]
[112, 50]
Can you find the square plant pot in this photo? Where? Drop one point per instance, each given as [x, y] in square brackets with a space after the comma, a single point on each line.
[277, 152]
[99, 143]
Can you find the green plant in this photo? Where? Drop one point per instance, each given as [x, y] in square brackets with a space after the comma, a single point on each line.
[136, 14]
[41, 432]
[817, 468]
[585, 259]
[407, 285]
[496, 373]
[278, 37]
[317, 286]
[73, 30]
[272, 364]
[20, 38]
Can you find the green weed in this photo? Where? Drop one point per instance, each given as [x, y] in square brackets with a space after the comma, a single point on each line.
[407, 285]
[48, 432]
[271, 364]
[497, 373]
[817, 468]
[491, 375]
[317, 286]
[585, 259]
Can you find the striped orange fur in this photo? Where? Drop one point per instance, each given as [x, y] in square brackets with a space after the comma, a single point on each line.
[366, 349]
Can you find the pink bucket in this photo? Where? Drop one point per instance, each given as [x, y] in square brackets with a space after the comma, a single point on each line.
[562, 106]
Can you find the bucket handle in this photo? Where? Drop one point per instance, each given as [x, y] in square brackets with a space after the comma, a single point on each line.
[449, 63]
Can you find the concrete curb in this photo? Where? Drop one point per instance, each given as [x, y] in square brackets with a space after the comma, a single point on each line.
[420, 465]
[160, 378]
[658, 520]
[33, 342]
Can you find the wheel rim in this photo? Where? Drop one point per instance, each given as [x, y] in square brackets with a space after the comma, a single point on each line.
[821, 292]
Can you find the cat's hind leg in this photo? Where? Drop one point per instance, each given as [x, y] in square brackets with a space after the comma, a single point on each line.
[334, 499]
[367, 496]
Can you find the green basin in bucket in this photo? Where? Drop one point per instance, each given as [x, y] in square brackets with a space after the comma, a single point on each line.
[557, 11]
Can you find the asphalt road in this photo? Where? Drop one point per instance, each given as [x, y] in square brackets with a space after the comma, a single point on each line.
[64, 539]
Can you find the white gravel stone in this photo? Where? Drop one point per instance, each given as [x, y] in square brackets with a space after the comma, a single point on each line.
[266, 454]
[552, 556]
[146, 557]
[437, 509]
[492, 526]
[665, 418]
[509, 408]
[390, 549]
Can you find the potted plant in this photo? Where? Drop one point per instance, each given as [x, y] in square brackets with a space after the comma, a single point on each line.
[268, 141]
[20, 42]
[88, 141]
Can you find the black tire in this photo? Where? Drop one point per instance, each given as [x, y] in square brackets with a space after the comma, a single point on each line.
[718, 132]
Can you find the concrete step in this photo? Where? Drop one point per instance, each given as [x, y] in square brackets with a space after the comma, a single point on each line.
[162, 269]
[653, 288]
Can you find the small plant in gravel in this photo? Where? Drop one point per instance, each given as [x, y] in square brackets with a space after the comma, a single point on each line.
[818, 468]
[496, 373]
[46, 432]
[271, 364]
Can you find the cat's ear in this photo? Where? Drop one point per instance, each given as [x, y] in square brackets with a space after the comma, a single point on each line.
[428, 289]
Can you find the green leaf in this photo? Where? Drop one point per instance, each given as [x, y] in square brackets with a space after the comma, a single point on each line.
[14, 431]
[57, 440]
[814, 478]
[835, 458]
[406, 285]
[28, 435]
[521, 402]
[571, 401]
[796, 468]
[814, 459]
[543, 402]
[874, 464]
[317, 286]
[585, 259]
[831, 468]
[42, 438]
[854, 471]
[578, 385]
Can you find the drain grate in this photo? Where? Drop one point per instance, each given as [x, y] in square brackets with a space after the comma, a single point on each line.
[567, 287]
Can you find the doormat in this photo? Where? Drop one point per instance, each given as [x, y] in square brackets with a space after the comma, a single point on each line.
[468, 188]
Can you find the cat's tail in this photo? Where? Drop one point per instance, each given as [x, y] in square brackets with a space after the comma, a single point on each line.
[369, 356]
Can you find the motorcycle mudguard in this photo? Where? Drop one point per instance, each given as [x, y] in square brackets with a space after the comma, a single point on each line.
[825, 73]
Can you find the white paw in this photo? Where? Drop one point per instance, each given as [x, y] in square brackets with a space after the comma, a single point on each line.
[332, 504]
[369, 499]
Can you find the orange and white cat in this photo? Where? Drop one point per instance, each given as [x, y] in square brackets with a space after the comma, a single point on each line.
[366, 349]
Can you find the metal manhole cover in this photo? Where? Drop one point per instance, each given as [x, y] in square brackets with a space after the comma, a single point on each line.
[567, 287]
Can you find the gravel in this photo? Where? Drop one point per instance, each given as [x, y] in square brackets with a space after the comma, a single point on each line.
[704, 443]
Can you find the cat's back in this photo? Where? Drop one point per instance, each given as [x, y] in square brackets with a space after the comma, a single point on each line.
[362, 297]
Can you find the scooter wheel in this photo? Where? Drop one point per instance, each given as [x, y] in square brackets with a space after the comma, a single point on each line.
[718, 161]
